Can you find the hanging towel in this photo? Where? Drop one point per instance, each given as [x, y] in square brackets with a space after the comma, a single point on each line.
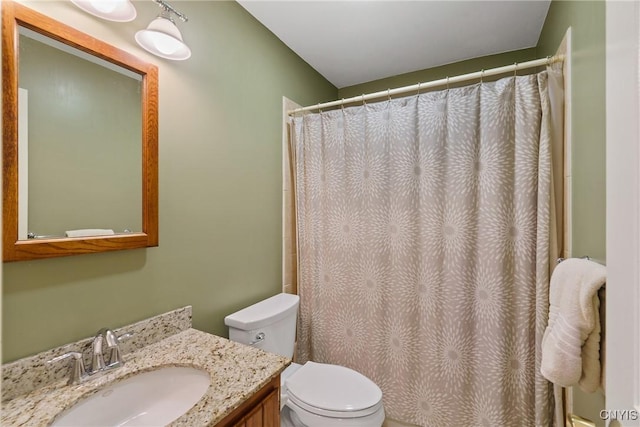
[88, 232]
[571, 342]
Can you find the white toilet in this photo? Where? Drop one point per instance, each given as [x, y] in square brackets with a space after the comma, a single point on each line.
[313, 394]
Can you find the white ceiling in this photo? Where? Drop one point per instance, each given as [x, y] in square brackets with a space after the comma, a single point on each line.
[352, 42]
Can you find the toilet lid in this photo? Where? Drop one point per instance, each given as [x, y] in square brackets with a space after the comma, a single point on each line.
[324, 387]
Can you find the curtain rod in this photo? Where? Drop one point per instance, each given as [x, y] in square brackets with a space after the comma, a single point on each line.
[448, 80]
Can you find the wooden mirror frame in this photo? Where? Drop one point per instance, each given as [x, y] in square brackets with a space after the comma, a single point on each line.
[14, 15]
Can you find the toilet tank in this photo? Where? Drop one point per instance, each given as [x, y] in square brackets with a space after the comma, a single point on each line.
[274, 319]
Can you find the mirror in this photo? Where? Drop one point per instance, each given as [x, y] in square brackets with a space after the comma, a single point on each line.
[80, 132]
[80, 122]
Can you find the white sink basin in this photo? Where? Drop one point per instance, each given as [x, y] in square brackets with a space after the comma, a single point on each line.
[151, 398]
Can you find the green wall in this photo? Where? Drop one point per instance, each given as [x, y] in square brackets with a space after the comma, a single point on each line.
[220, 187]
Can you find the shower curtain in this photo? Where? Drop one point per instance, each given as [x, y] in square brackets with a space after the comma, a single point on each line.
[423, 227]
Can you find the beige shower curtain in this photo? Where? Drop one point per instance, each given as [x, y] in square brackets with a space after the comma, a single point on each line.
[423, 233]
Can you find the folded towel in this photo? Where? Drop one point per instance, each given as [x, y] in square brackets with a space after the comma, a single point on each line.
[571, 342]
[89, 232]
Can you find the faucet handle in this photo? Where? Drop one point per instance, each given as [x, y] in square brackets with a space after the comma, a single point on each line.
[109, 337]
[125, 336]
[115, 356]
[78, 372]
[97, 359]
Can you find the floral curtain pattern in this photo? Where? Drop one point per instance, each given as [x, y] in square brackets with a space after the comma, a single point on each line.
[423, 227]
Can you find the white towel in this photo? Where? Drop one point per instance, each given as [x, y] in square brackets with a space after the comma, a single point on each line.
[89, 232]
[571, 342]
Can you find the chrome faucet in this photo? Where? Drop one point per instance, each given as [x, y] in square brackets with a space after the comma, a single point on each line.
[104, 336]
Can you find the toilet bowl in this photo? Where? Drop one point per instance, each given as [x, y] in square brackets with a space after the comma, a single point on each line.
[319, 394]
[313, 394]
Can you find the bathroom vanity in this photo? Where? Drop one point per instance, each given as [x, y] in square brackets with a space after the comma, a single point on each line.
[261, 409]
[244, 385]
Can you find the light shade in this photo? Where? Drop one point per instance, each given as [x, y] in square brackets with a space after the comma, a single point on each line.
[162, 38]
[111, 10]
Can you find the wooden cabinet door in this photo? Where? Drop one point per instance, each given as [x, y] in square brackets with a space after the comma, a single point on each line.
[254, 418]
[260, 410]
[271, 410]
[264, 414]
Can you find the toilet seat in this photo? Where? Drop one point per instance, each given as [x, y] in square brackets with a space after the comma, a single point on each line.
[333, 391]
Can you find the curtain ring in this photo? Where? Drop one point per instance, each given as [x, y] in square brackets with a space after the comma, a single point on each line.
[419, 83]
[481, 75]
[447, 82]
[515, 70]
[553, 59]
[363, 100]
[319, 109]
[389, 95]
[342, 105]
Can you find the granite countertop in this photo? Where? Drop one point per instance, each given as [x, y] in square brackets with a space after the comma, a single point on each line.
[237, 372]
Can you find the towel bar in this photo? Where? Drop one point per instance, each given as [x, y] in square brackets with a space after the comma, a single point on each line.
[587, 257]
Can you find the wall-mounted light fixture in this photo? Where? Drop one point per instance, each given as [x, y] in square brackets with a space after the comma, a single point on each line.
[111, 10]
[162, 37]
